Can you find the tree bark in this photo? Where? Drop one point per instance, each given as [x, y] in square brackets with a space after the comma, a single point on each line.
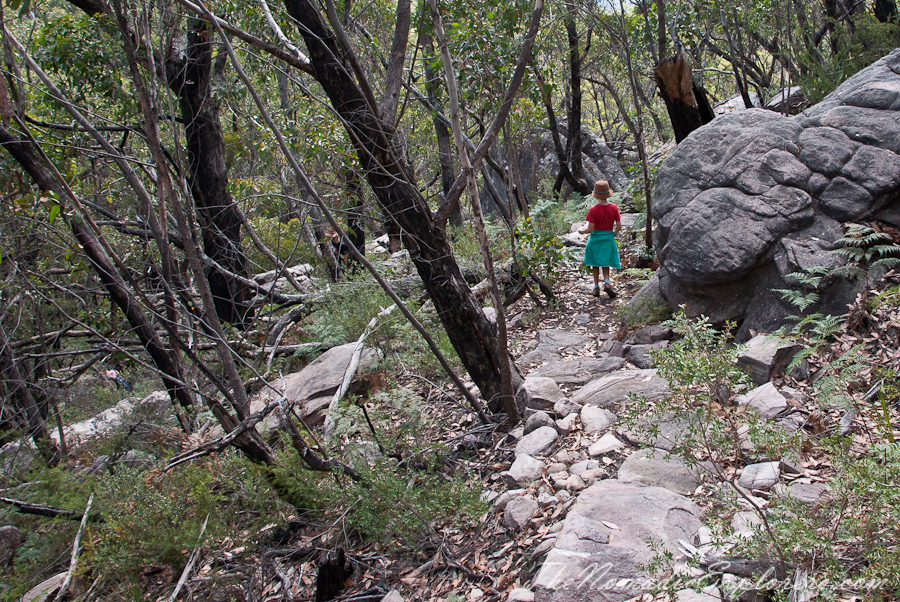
[36, 425]
[686, 103]
[574, 155]
[189, 78]
[390, 178]
[441, 132]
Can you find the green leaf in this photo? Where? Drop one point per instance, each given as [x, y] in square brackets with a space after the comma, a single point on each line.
[54, 211]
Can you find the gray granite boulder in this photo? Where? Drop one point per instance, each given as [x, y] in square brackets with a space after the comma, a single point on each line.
[606, 538]
[768, 193]
[656, 467]
[312, 388]
[615, 389]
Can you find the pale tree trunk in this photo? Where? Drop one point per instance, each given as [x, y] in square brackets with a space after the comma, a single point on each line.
[509, 400]
[441, 132]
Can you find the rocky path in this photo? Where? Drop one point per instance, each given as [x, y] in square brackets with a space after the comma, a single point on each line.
[617, 501]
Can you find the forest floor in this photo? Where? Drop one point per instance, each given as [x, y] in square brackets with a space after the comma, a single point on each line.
[483, 560]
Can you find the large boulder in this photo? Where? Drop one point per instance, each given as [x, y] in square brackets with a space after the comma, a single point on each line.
[754, 196]
[539, 160]
[312, 388]
[607, 536]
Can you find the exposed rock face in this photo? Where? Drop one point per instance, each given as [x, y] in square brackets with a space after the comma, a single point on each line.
[313, 387]
[606, 537]
[754, 195]
[540, 161]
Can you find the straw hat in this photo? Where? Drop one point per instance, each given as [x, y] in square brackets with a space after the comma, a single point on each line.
[601, 190]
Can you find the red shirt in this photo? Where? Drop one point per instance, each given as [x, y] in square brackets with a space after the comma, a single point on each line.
[604, 216]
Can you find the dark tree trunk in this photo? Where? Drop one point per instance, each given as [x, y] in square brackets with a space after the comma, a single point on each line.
[220, 219]
[886, 11]
[686, 102]
[26, 406]
[390, 178]
[578, 180]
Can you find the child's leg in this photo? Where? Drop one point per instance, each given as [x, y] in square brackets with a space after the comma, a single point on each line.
[605, 274]
[596, 271]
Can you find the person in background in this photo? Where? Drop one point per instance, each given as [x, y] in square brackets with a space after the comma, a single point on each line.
[340, 248]
[603, 225]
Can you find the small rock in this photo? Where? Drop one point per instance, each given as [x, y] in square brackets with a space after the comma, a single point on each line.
[563, 496]
[604, 445]
[537, 441]
[596, 420]
[474, 595]
[506, 497]
[642, 355]
[559, 480]
[612, 349]
[583, 466]
[520, 594]
[489, 495]
[519, 511]
[539, 393]
[592, 476]
[575, 483]
[762, 476]
[523, 471]
[689, 595]
[766, 400]
[545, 498]
[745, 521]
[392, 596]
[766, 356]
[565, 407]
[807, 493]
[544, 547]
[537, 420]
[582, 319]
[564, 456]
[555, 468]
[567, 424]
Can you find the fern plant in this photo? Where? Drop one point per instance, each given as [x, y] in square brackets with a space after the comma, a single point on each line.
[868, 253]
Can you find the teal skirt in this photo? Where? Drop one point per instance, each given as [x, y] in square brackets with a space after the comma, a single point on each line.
[601, 250]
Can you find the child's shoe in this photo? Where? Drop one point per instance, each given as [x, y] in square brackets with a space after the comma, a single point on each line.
[608, 289]
[596, 291]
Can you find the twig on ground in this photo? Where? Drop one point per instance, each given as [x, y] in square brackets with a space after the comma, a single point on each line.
[76, 547]
[191, 562]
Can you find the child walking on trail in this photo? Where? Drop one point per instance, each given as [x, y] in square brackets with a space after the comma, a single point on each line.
[604, 223]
